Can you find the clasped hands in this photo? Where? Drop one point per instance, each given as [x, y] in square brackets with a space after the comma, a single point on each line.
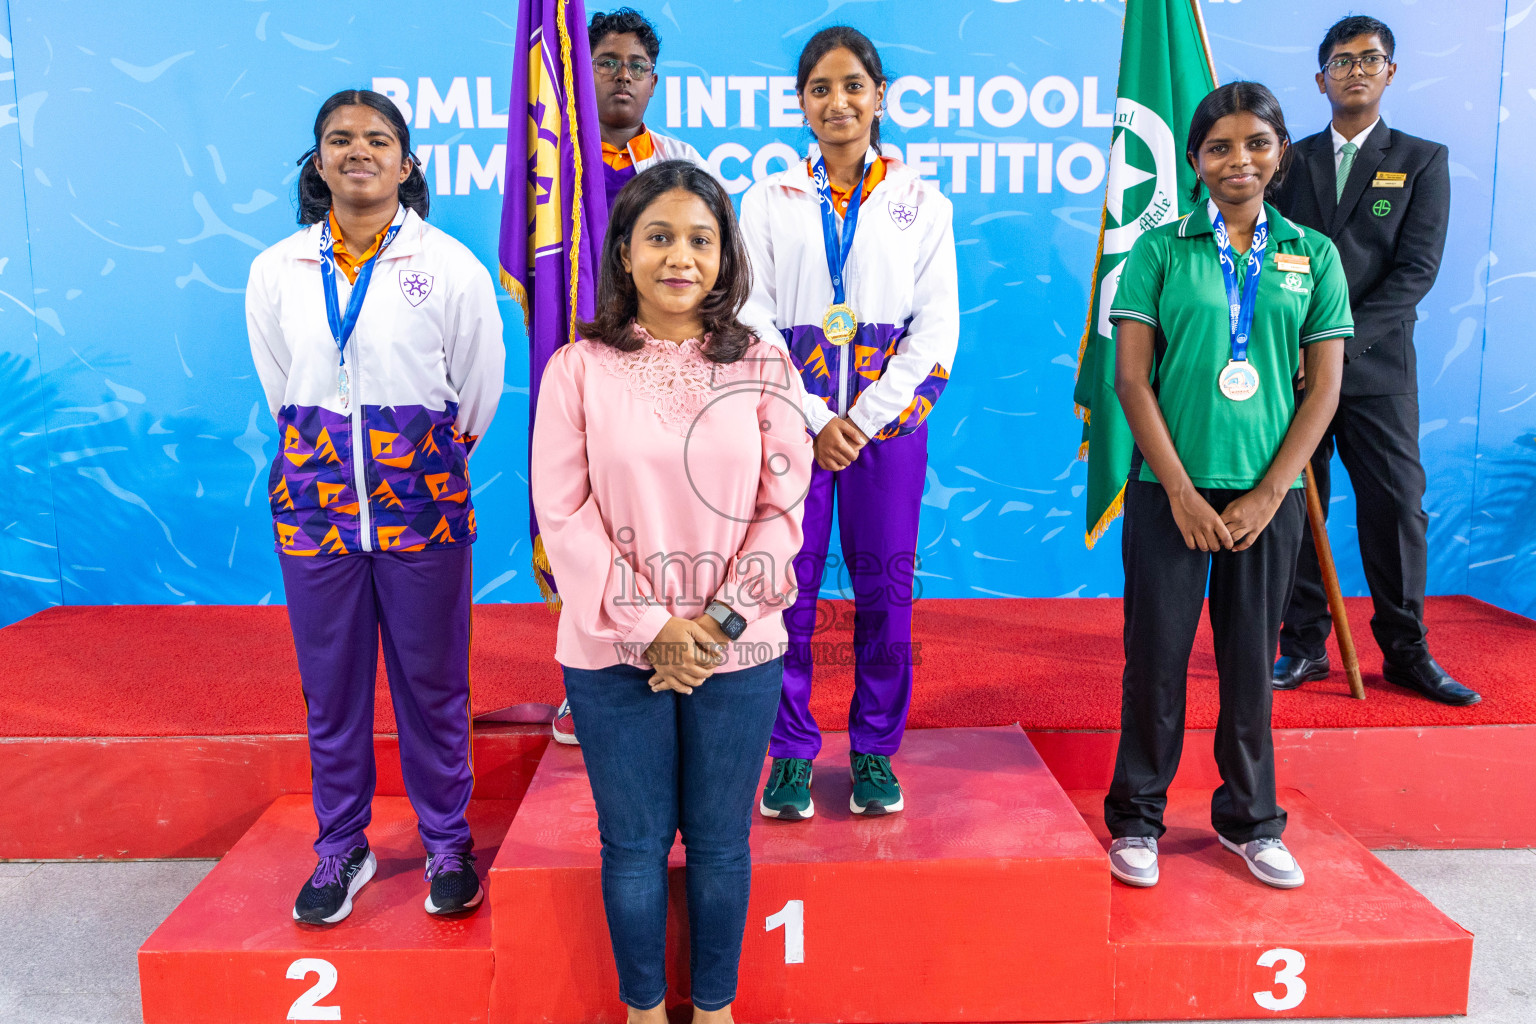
[685, 653]
[1235, 528]
[838, 444]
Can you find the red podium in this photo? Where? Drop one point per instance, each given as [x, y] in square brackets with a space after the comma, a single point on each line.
[232, 953]
[1211, 942]
[988, 900]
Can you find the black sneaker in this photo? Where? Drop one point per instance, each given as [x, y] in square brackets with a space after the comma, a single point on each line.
[455, 886]
[327, 897]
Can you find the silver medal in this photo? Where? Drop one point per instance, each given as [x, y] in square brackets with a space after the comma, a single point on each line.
[1238, 381]
[343, 388]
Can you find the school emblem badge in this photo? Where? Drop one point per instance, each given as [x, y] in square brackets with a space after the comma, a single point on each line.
[903, 215]
[1293, 283]
[416, 286]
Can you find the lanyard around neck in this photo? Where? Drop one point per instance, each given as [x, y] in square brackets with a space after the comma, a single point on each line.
[1240, 307]
[343, 324]
[837, 247]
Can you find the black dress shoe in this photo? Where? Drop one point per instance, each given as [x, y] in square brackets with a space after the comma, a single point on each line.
[1434, 682]
[1292, 672]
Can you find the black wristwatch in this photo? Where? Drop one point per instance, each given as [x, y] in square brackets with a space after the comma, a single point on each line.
[731, 624]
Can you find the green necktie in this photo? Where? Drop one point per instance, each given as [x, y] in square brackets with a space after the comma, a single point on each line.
[1346, 161]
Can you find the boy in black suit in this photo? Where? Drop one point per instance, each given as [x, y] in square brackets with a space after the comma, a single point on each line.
[1384, 198]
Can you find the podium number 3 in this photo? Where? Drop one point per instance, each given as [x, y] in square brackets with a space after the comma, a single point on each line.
[1288, 976]
[304, 1007]
[792, 920]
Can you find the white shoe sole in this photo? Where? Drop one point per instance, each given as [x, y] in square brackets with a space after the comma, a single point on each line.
[1275, 883]
[364, 874]
[858, 808]
[787, 814]
[1132, 880]
[433, 908]
[567, 738]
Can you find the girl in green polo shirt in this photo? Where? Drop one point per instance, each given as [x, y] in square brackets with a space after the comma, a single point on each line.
[1217, 316]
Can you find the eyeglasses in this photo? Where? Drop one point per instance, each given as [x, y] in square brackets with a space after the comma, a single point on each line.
[609, 67]
[1345, 66]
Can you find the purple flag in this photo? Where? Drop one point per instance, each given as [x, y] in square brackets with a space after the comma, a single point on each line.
[555, 211]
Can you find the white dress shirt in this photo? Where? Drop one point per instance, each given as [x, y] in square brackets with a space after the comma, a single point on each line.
[1339, 141]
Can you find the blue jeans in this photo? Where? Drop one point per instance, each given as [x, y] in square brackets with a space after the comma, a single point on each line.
[659, 763]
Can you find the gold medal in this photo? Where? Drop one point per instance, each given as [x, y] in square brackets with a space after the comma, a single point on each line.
[839, 324]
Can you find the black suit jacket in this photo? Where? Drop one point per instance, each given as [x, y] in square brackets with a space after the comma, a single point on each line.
[1389, 239]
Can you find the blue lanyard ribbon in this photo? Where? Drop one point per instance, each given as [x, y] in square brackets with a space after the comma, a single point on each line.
[342, 325]
[837, 248]
[1241, 308]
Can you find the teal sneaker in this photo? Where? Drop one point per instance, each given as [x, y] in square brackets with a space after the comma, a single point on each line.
[875, 789]
[788, 793]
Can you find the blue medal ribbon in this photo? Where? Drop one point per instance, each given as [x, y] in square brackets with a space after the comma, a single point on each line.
[1240, 307]
[342, 325]
[837, 248]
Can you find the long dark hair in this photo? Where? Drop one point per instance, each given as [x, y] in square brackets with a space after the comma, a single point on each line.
[315, 195]
[617, 301]
[848, 38]
[1237, 98]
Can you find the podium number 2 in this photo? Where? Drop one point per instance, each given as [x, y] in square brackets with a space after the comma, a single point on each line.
[304, 1007]
[792, 920]
[1288, 976]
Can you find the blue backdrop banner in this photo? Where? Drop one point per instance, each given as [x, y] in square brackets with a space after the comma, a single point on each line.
[147, 154]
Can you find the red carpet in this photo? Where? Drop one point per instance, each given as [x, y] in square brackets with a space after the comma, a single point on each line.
[1046, 664]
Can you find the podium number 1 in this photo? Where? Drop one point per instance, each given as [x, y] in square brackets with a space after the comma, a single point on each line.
[1288, 977]
[304, 1007]
[792, 919]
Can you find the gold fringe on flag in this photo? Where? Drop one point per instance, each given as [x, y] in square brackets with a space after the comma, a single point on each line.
[1110, 515]
[514, 287]
[541, 570]
[1098, 258]
[570, 117]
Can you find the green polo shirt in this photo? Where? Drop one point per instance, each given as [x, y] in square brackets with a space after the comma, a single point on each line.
[1172, 280]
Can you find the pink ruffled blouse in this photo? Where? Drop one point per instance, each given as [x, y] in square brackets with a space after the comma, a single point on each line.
[663, 481]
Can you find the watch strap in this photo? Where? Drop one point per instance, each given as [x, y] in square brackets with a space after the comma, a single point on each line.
[731, 622]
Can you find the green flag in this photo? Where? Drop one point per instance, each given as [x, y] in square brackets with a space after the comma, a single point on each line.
[1165, 71]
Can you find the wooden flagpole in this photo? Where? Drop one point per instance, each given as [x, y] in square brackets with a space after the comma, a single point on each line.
[1331, 585]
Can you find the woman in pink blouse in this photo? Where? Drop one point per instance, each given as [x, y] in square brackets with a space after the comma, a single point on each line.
[670, 460]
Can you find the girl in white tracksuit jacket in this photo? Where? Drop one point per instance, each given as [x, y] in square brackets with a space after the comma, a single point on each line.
[874, 355]
[381, 358]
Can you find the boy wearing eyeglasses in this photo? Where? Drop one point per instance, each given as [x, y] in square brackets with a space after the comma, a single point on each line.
[624, 51]
[1384, 199]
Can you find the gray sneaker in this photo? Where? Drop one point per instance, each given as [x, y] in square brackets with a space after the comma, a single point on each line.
[1269, 860]
[1133, 860]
